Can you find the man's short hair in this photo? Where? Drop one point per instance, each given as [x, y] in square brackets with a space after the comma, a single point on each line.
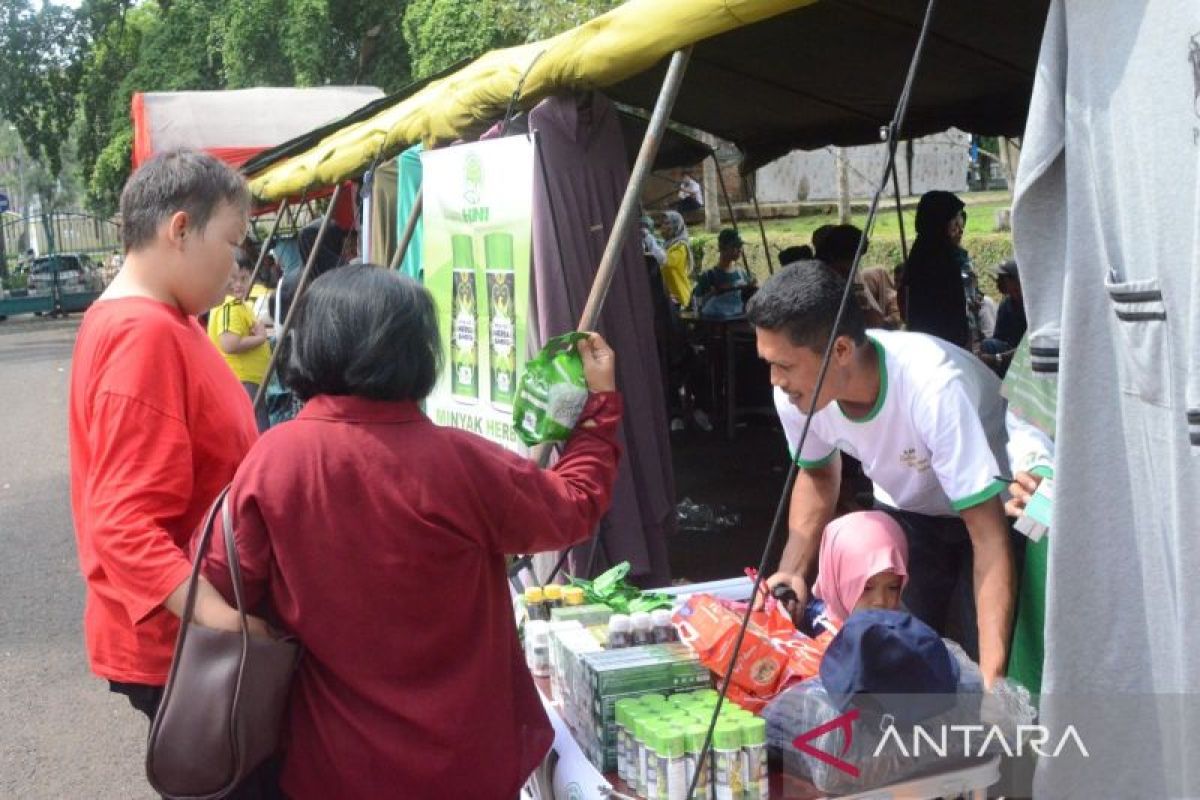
[365, 331]
[839, 244]
[180, 180]
[802, 301]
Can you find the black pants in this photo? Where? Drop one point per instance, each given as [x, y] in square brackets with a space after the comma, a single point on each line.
[262, 784]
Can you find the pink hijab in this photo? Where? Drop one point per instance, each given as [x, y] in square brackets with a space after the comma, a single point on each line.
[854, 548]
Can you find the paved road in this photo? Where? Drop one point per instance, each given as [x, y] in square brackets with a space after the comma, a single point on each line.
[62, 735]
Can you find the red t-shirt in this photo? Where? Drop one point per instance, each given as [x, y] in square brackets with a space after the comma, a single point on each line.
[379, 539]
[158, 425]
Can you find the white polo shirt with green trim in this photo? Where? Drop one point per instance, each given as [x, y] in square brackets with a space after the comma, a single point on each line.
[934, 442]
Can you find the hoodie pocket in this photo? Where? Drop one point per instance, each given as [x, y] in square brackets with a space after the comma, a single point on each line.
[1143, 343]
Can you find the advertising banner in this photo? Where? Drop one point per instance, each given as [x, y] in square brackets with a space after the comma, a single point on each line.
[478, 207]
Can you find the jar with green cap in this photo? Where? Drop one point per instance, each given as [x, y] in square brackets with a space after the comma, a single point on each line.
[502, 316]
[727, 761]
[754, 758]
[464, 322]
[693, 736]
[627, 709]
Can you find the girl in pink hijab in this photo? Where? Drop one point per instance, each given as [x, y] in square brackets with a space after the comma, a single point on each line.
[863, 564]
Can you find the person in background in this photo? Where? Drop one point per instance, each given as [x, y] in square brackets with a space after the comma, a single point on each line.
[926, 420]
[720, 288]
[651, 246]
[402, 685]
[1010, 317]
[872, 287]
[691, 196]
[863, 564]
[157, 422]
[242, 339]
[936, 301]
[678, 267]
[794, 254]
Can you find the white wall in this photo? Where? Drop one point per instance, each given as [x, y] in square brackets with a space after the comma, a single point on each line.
[939, 162]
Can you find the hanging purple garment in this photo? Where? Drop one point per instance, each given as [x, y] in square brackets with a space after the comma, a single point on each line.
[584, 157]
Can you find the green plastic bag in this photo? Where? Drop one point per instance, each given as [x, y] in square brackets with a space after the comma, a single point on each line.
[552, 392]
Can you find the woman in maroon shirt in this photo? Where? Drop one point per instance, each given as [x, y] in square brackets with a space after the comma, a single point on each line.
[379, 539]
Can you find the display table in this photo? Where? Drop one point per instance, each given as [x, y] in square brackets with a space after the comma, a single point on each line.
[566, 774]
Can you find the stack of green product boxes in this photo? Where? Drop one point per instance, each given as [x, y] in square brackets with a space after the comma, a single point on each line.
[613, 675]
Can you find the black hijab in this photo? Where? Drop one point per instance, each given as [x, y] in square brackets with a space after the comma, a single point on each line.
[937, 303]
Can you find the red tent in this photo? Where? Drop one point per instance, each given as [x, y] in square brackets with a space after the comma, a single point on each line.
[235, 125]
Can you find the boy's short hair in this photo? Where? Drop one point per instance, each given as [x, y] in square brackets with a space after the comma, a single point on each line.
[179, 180]
[363, 330]
[802, 301]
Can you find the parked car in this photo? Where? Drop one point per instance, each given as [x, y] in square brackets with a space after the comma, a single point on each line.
[75, 273]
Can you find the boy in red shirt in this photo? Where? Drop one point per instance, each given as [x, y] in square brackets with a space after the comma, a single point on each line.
[158, 423]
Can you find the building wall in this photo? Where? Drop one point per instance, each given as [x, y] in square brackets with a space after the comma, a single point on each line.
[939, 162]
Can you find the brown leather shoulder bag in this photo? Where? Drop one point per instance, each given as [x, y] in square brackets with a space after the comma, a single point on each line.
[225, 696]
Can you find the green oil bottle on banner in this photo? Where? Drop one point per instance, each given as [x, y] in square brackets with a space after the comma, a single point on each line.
[502, 316]
[464, 322]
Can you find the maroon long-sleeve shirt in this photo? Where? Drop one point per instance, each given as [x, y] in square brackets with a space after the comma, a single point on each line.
[379, 539]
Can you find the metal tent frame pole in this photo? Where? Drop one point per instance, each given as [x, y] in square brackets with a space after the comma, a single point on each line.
[762, 229]
[410, 228]
[262, 250]
[300, 289]
[631, 202]
[623, 225]
[729, 205]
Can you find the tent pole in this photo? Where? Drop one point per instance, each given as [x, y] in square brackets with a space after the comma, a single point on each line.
[623, 224]
[631, 203]
[410, 228]
[262, 251]
[729, 205]
[762, 229]
[300, 288]
[899, 211]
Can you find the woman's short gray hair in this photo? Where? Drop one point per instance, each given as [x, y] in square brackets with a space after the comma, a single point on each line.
[180, 180]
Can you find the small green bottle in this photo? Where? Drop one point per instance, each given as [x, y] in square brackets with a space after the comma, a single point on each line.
[502, 316]
[464, 322]
[754, 758]
[694, 742]
[727, 761]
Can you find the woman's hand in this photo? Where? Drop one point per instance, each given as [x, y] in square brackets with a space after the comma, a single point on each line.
[599, 364]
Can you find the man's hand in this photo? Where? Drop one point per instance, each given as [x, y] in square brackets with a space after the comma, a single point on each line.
[995, 585]
[794, 606]
[599, 363]
[259, 329]
[1022, 490]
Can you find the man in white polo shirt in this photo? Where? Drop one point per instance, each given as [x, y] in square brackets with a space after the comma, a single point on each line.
[926, 420]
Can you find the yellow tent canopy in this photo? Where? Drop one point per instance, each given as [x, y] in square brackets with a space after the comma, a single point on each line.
[769, 75]
[627, 40]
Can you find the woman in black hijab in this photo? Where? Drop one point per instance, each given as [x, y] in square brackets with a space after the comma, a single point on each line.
[933, 276]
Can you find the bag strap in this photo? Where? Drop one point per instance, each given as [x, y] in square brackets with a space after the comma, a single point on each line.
[235, 571]
[189, 606]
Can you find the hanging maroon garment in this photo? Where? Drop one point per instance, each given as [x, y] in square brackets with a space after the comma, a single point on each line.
[584, 155]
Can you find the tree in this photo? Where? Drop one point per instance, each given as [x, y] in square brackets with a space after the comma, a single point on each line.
[40, 76]
[221, 44]
[442, 32]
